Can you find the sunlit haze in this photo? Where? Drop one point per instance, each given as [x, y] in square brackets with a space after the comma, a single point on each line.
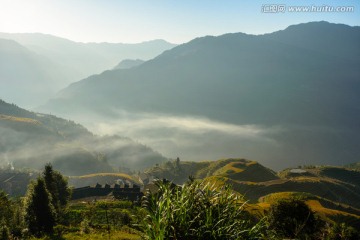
[175, 21]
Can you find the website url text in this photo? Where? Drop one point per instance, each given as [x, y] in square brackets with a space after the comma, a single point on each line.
[282, 8]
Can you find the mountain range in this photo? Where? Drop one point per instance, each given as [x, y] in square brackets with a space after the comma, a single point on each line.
[286, 98]
[35, 66]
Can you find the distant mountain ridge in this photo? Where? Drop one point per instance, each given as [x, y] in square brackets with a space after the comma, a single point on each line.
[41, 64]
[302, 36]
[86, 58]
[303, 80]
[23, 73]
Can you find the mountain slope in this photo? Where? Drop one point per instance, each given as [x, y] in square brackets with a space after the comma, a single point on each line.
[310, 95]
[241, 66]
[302, 36]
[24, 73]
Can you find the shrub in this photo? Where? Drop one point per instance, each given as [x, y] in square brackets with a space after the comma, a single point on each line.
[292, 218]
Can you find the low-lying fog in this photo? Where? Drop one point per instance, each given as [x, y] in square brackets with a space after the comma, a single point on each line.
[191, 138]
[198, 138]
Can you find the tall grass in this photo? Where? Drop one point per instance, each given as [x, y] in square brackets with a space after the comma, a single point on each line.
[198, 210]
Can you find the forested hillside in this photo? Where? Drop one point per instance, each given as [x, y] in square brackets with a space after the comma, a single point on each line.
[29, 140]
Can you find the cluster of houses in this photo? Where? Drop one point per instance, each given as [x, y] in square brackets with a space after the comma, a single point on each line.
[120, 190]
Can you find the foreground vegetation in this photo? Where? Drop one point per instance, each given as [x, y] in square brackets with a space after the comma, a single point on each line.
[197, 210]
[201, 210]
[205, 208]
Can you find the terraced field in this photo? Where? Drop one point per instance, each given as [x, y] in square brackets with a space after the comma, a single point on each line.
[18, 119]
[238, 169]
[321, 206]
[332, 192]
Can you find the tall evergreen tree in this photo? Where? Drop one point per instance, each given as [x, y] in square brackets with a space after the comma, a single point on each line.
[40, 214]
[58, 188]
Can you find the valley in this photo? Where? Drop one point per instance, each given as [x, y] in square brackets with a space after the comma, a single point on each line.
[228, 136]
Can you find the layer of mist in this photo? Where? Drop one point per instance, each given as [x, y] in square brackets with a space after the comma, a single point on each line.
[199, 138]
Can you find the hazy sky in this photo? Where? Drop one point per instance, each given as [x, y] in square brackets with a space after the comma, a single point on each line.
[175, 21]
